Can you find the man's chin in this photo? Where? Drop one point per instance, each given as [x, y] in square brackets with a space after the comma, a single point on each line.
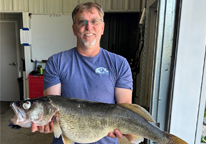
[89, 44]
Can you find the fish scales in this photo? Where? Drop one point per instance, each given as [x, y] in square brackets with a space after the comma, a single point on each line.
[116, 117]
[85, 121]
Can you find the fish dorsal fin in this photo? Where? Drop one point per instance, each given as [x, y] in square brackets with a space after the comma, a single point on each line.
[139, 110]
[66, 140]
[56, 126]
[134, 139]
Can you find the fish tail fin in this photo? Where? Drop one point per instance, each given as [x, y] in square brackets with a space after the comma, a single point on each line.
[176, 140]
[134, 139]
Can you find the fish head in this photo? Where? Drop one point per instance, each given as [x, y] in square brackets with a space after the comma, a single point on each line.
[39, 111]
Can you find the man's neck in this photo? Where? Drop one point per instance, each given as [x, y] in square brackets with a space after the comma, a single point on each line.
[88, 51]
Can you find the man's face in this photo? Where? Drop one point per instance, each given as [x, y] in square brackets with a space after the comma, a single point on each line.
[88, 28]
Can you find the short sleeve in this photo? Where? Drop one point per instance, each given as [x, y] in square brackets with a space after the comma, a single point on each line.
[51, 74]
[124, 79]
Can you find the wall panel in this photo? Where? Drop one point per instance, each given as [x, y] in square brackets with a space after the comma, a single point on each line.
[66, 6]
[106, 4]
[37, 6]
[81, 1]
[53, 6]
[134, 5]
[21, 5]
[6, 5]
[119, 5]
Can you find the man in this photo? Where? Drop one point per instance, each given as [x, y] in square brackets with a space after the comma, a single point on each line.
[88, 71]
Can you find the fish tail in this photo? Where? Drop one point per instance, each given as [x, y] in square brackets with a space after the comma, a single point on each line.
[175, 140]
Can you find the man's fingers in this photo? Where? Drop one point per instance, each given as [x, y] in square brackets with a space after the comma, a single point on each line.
[41, 129]
[51, 126]
[118, 134]
[34, 127]
[111, 134]
[47, 128]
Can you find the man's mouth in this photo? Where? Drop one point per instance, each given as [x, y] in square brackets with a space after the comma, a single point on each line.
[89, 34]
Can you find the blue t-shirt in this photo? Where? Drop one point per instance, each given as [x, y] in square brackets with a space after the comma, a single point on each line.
[89, 78]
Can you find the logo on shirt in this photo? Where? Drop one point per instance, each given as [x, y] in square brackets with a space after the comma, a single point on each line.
[101, 70]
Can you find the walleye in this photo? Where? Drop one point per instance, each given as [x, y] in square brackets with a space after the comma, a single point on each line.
[86, 122]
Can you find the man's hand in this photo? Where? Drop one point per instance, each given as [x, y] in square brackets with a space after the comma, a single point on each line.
[116, 134]
[48, 128]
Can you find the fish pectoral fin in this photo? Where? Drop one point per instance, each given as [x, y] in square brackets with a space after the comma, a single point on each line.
[58, 132]
[56, 127]
[139, 110]
[134, 139]
[66, 140]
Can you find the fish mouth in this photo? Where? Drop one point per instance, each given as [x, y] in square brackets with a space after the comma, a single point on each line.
[19, 116]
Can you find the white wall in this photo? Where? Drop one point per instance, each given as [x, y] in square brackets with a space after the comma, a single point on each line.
[189, 89]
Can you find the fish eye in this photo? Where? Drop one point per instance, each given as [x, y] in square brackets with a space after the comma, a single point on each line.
[26, 105]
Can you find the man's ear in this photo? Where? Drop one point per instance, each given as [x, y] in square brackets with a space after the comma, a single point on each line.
[73, 27]
[103, 28]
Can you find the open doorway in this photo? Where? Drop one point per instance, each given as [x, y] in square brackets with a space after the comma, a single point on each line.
[11, 54]
[121, 33]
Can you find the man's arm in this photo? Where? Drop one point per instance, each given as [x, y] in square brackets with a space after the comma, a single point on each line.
[53, 90]
[122, 96]
[48, 128]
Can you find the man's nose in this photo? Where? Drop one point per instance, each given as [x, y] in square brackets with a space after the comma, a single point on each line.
[89, 25]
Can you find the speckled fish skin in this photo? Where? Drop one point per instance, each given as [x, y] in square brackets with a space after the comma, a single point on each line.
[85, 121]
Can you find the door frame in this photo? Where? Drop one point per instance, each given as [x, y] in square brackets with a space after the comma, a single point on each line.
[162, 67]
[17, 35]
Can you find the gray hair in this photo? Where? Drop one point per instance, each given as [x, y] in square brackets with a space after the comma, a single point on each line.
[87, 6]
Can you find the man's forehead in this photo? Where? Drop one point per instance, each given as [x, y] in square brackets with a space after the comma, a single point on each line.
[91, 10]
